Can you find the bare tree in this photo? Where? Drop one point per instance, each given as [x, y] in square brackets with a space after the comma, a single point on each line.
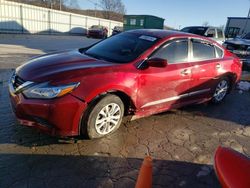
[111, 6]
[53, 4]
[73, 4]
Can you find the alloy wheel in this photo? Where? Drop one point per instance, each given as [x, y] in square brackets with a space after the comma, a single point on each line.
[221, 90]
[108, 118]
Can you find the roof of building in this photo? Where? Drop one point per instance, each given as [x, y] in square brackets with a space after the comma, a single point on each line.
[145, 15]
[243, 18]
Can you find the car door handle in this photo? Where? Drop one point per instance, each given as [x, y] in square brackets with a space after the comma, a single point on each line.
[185, 72]
[218, 66]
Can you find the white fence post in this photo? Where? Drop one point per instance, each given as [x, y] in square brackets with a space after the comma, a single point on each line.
[49, 22]
[70, 22]
[86, 22]
[21, 18]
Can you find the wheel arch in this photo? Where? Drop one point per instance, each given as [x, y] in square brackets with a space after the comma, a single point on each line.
[129, 104]
[232, 79]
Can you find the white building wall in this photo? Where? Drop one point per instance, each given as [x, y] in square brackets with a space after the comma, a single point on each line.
[22, 18]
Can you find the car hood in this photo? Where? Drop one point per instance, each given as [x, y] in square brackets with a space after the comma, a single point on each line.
[239, 41]
[45, 67]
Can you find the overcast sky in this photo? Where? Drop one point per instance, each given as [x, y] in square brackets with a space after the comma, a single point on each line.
[181, 13]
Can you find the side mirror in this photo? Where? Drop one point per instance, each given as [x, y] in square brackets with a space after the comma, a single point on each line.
[157, 62]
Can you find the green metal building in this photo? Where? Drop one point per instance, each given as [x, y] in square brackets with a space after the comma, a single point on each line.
[142, 22]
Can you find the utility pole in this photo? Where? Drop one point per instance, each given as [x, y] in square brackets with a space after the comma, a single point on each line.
[60, 4]
[95, 7]
[248, 16]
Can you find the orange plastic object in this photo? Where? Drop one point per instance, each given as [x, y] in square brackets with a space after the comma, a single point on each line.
[144, 179]
[232, 168]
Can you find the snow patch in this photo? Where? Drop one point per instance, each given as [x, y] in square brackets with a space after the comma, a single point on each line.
[244, 85]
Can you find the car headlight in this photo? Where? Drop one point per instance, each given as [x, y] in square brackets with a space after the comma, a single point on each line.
[46, 91]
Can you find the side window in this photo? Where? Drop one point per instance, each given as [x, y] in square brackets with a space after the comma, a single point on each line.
[232, 32]
[219, 52]
[141, 22]
[211, 33]
[132, 21]
[219, 33]
[174, 52]
[202, 50]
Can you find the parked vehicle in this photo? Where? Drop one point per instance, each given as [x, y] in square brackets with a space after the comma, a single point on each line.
[240, 46]
[97, 31]
[232, 168]
[139, 72]
[212, 32]
[117, 30]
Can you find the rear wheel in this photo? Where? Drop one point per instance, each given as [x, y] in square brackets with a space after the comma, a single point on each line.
[221, 90]
[104, 117]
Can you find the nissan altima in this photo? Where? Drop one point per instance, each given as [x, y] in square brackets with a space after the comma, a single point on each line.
[138, 73]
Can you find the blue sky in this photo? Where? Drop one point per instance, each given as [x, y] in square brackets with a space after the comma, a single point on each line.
[181, 13]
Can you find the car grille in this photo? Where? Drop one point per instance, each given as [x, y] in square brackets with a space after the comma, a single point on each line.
[17, 81]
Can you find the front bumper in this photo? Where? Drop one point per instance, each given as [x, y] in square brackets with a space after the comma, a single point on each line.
[59, 116]
[95, 35]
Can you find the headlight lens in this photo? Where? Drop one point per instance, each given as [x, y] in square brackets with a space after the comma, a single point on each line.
[46, 91]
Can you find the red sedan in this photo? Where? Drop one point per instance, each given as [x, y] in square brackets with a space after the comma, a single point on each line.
[97, 31]
[139, 73]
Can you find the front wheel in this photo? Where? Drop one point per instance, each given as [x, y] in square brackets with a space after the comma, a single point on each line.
[221, 90]
[104, 117]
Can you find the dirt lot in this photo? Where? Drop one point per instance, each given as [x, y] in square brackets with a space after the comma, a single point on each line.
[182, 142]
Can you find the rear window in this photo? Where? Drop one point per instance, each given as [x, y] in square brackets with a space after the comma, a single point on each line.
[195, 30]
[203, 50]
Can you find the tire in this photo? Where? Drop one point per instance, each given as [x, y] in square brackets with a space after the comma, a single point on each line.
[98, 121]
[221, 90]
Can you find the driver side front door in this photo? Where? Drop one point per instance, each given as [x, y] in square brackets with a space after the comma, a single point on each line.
[165, 87]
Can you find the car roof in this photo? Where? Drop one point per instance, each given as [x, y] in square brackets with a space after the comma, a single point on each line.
[160, 33]
[206, 27]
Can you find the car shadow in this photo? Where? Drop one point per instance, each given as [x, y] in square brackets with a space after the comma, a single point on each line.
[235, 108]
[43, 170]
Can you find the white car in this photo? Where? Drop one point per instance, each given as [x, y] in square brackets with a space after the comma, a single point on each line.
[212, 32]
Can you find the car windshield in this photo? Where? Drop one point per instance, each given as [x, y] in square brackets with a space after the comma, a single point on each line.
[247, 36]
[122, 48]
[95, 27]
[195, 30]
